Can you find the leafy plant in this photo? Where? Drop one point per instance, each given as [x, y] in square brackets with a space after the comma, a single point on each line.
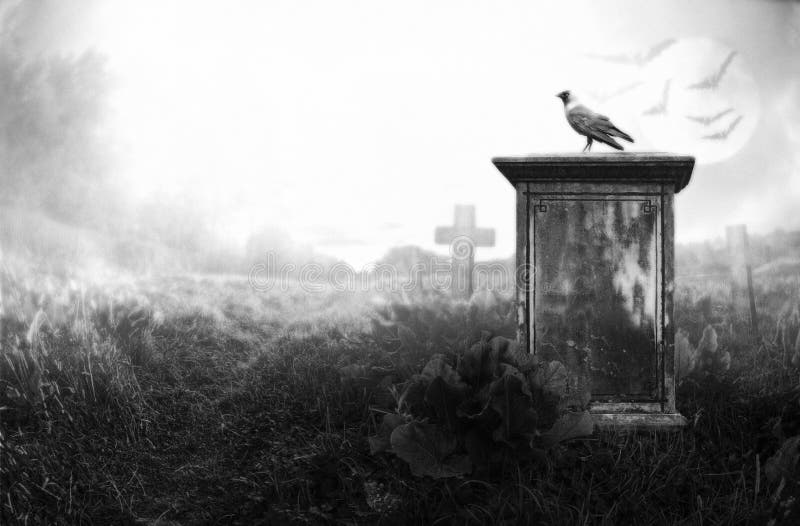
[453, 418]
[787, 334]
[429, 450]
[706, 358]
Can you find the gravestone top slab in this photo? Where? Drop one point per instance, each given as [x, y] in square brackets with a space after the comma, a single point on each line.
[624, 167]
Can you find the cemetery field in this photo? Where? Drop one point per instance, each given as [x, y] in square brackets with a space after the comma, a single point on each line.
[196, 400]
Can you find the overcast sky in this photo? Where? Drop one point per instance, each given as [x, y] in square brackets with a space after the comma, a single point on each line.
[356, 126]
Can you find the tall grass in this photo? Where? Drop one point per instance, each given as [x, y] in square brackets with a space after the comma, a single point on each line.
[198, 401]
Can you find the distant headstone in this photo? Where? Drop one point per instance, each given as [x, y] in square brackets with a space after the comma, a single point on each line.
[463, 237]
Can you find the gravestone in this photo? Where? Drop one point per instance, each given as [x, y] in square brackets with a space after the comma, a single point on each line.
[462, 238]
[595, 276]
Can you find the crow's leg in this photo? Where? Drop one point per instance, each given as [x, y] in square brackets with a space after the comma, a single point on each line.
[588, 146]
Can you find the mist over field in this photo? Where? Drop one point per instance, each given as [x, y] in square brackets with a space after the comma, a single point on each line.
[142, 132]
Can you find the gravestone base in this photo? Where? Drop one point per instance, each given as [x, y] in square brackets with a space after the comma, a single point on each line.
[638, 421]
[635, 416]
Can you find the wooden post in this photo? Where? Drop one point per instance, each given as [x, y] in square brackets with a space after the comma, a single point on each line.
[463, 237]
[741, 268]
[753, 314]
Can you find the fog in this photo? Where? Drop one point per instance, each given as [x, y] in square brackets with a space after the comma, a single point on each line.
[340, 130]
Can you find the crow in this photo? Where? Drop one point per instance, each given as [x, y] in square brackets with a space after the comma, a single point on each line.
[593, 126]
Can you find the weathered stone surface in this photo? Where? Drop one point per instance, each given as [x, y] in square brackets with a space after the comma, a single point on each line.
[595, 273]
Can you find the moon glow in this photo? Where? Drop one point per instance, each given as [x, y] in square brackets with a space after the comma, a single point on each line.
[712, 108]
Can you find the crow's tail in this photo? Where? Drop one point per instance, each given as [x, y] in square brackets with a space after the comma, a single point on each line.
[605, 139]
[616, 132]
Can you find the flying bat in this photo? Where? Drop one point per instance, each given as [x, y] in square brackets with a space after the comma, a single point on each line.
[606, 95]
[705, 120]
[722, 135]
[638, 59]
[661, 107]
[593, 126]
[713, 80]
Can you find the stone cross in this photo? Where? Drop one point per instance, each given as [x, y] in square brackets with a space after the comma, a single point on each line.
[463, 237]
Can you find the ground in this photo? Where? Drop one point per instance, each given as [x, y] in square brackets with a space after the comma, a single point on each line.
[198, 400]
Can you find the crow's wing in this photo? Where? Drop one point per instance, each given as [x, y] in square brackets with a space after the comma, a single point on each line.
[591, 124]
[604, 124]
[616, 132]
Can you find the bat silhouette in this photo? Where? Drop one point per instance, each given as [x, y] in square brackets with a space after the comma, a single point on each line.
[722, 135]
[713, 80]
[705, 120]
[661, 107]
[606, 95]
[638, 59]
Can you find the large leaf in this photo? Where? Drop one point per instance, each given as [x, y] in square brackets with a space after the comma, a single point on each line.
[437, 367]
[480, 446]
[477, 410]
[428, 450]
[470, 365]
[412, 394]
[685, 354]
[509, 370]
[569, 426]
[479, 364]
[550, 377]
[513, 354]
[499, 345]
[709, 358]
[445, 399]
[708, 342]
[509, 400]
[381, 441]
